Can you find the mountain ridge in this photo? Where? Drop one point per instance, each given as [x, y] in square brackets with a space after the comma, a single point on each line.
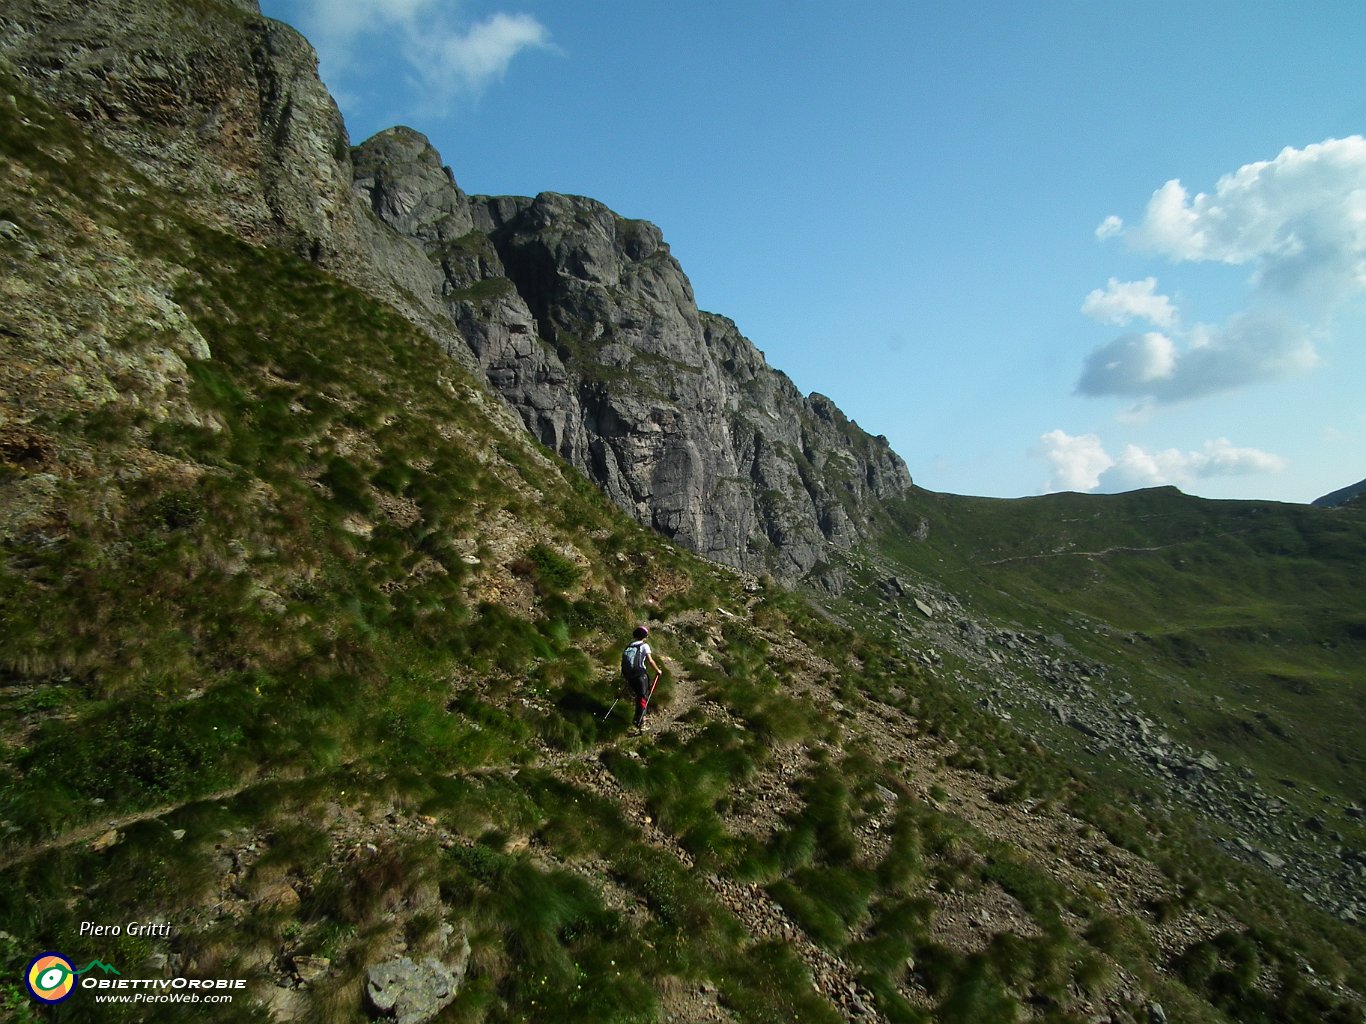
[257, 144]
[1341, 496]
[588, 327]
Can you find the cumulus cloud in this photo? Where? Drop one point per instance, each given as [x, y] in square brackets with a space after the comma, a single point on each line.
[1132, 364]
[1081, 463]
[1136, 467]
[1298, 222]
[1122, 302]
[1077, 462]
[1153, 367]
[448, 57]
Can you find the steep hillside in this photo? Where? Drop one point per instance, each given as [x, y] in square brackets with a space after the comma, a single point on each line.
[308, 661]
[1211, 651]
[223, 109]
[579, 318]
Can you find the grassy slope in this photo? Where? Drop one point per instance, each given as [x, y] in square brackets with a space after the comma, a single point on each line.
[275, 587]
[1248, 614]
[301, 615]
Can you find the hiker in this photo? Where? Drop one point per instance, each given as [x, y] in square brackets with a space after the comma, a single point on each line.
[636, 662]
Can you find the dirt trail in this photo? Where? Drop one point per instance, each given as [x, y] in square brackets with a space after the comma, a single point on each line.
[94, 830]
[762, 916]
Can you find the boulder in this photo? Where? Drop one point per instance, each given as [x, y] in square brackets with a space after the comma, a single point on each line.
[414, 992]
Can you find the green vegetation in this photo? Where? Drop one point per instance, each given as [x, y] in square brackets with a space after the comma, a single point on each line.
[286, 620]
[1237, 624]
[307, 656]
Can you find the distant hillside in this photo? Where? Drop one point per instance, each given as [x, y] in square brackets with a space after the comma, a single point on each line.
[1212, 649]
[1341, 496]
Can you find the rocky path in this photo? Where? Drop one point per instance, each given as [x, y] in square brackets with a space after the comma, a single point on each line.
[762, 916]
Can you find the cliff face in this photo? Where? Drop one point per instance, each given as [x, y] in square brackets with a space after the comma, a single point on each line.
[587, 326]
[580, 319]
[224, 108]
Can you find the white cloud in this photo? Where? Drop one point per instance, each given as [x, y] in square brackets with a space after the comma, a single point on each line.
[1152, 366]
[1109, 227]
[448, 56]
[465, 62]
[1251, 347]
[1132, 364]
[1299, 220]
[1138, 468]
[1077, 462]
[1170, 226]
[336, 26]
[1082, 464]
[1124, 301]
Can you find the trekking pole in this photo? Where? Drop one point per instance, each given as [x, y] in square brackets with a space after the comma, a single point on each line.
[611, 709]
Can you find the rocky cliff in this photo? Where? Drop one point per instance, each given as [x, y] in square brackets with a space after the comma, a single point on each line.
[581, 319]
[224, 108]
[587, 325]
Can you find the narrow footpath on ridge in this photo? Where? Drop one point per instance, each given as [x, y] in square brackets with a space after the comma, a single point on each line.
[105, 831]
[762, 916]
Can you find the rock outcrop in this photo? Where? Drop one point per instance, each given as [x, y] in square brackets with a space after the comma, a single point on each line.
[414, 992]
[1027, 676]
[586, 324]
[223, 108]
[580, 319]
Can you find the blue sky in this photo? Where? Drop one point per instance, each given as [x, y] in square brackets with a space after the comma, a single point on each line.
[1040, 246]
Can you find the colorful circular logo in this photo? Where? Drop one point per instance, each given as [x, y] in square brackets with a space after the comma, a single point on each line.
[50, 977]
